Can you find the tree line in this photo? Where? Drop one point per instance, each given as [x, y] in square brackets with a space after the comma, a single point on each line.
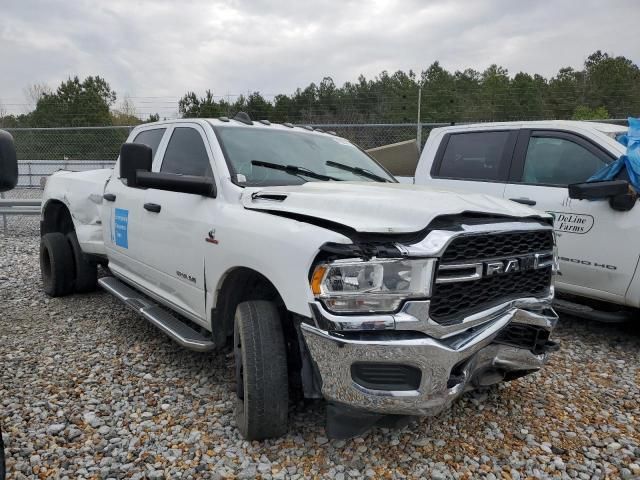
[607, 86]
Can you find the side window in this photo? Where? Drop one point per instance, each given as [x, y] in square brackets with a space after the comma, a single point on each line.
[151, 138]
[474, 155]
[558, 161]
[186, 154]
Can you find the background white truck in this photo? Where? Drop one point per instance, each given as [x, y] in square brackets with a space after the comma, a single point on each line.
[533, 163]
[325, 276]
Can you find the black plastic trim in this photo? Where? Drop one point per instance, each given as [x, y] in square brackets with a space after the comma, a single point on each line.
[386, 376]
[173, 182]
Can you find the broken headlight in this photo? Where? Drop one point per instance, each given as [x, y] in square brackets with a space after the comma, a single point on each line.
[377, 285]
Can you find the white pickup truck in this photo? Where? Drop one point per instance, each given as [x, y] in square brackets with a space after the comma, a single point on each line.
[533, 163]
[327, 277]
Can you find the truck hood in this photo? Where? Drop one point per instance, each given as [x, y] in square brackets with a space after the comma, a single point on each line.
[377, 207]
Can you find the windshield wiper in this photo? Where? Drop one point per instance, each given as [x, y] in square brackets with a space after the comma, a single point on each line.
[358, 171]
[293, 170]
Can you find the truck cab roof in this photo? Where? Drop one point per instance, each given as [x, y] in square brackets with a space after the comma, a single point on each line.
[241, 122]
[607, 128]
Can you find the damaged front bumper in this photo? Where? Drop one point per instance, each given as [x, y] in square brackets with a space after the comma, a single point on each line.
[420, 367]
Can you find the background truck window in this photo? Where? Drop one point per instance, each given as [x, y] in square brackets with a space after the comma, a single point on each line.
[186, 154]
[557, 161]
[474, 156]
[150, 138]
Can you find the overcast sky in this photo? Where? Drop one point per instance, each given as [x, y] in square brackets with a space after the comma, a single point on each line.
[161, 49]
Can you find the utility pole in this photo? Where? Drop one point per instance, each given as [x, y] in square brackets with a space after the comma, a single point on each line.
[419, 130]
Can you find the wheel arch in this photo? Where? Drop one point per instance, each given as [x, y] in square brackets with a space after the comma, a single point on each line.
[236, 285]
[56, 217]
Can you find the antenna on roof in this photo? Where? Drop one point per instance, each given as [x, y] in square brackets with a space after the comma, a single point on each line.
[243, 117]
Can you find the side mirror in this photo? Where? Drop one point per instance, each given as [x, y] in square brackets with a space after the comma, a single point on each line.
[133, 157]
[173, 182]
[598, 190]
[621, 197]
[8, 162]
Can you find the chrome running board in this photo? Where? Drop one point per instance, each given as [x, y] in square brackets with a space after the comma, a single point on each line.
[179, 331]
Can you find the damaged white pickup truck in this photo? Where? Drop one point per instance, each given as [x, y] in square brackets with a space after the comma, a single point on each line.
[326, 277]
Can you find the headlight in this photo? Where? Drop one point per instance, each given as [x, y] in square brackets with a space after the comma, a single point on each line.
[378, 285]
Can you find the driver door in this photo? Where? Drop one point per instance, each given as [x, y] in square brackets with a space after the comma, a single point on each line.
[594, 250]
[176, 225]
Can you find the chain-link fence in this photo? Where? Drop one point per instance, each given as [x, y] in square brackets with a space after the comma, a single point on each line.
[90, 144]
[42, 151]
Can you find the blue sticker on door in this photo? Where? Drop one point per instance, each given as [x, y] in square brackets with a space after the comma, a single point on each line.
[120, 226]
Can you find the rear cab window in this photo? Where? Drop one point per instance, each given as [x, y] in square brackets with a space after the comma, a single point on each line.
[150, 138]
[482, 156]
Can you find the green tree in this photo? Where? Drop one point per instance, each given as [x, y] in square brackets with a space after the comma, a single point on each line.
[613, 82]
[565, 92]
[256, 106]
[496, 102]
[582, 112]
[468, 94]
[75, 103]
[527, 97]
[192, 106]
[438, 94]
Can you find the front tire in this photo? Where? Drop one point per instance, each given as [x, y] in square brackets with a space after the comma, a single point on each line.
[56, 265]
[86, 273]
[261, 371]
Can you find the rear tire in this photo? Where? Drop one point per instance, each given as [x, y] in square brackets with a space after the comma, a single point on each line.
[261, 371]
[86, 273]
[56, 264]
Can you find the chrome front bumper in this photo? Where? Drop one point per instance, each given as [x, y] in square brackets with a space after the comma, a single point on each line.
[469, 347]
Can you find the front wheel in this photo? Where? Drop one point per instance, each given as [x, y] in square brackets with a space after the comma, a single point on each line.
[56, 265]
[261, 371]
[86, 273]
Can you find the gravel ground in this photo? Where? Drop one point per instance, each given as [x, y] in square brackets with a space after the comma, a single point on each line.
[90, 390]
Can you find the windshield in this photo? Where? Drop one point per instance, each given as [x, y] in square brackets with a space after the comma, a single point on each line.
[247, 150]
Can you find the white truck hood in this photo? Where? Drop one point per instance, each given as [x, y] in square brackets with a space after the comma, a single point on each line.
[377, 207]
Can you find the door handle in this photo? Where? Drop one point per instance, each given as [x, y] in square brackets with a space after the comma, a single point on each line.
[109, 197]
[524, 201]
[152, 207]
